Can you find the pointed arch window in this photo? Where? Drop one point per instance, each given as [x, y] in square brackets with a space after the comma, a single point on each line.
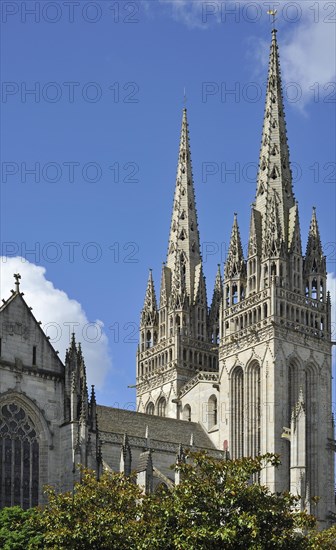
[19, 458]
[237, 408]
[186, 413]
[162, 406]
[182, 235]
[150, 408]
[212, 411]
[321, 291]
[234, 294]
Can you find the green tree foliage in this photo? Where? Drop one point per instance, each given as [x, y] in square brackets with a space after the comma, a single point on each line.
[17, 530]
[97, 515]
[215, 506]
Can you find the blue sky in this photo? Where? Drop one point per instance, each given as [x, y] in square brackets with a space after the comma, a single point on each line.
[101, 131]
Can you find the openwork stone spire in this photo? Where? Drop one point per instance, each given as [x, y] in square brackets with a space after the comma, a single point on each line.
[235, 264]
[274, 176]
[184, 245]
[149, 311]
[314, 260]
[214, 313]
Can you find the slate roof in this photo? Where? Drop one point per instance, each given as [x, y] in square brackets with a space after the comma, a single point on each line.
[160, 428]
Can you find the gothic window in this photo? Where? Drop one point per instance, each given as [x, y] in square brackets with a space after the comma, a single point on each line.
[307, 289]
[234, 294]
[321, 291]
[265, 311]
[212, 412]
[237, 417]
[314, 289]
[183, 214]
[162, 407]
[310, 398]
[150, 408]
[186, 413]
[192, 226]
[19, 458]
[34, 355]
[148, 339]
[253, 411]
[228, 295]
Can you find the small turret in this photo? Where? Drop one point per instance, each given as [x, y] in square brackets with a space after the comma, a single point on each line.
[315, 272]
[214, 313]
[235, 269]
[149, 317]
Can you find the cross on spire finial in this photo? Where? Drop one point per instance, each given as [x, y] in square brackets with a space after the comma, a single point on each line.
[272, 14]
[17, 278]
[184, 97]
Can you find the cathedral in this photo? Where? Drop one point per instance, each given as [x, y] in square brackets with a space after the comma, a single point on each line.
[249, 373]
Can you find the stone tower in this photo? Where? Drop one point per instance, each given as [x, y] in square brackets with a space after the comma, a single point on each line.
[177, 337]
[275, 336]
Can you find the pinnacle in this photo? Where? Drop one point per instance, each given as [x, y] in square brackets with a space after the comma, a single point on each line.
[235, 259]
[314, 239]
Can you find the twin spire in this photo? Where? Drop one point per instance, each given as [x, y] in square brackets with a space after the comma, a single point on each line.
[275, 226]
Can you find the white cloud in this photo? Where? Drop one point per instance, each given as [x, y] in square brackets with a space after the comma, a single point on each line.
[307, 37]
[308, 55]
[60, 315]
[189, 12]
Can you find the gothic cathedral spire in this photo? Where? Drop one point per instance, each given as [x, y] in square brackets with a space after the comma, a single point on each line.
[274, 183]
[184, 243]
[176, 339]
